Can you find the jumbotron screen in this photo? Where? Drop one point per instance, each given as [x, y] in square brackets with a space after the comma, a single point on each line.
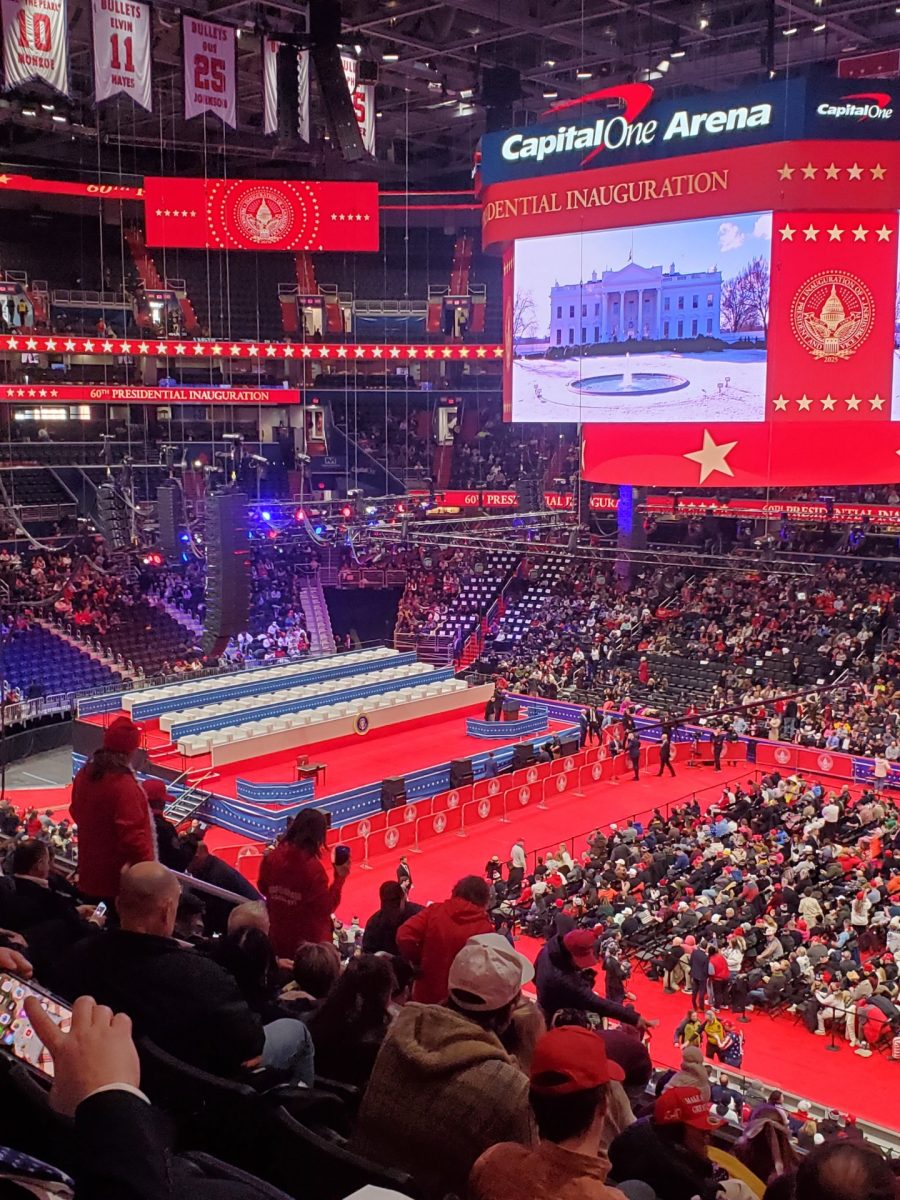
[650, 323]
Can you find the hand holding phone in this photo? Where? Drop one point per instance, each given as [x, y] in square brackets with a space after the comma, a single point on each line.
[341, 860]
[95, 1051]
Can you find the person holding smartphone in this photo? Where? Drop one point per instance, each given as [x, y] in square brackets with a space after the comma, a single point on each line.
[295, 883]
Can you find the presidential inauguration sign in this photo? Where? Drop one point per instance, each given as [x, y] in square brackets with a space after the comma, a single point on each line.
[709, 286]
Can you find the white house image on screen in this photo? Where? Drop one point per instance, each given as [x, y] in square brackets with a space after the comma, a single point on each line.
[636, 302]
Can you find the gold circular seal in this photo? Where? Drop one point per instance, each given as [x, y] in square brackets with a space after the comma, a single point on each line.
[263, 215]
[832, 315]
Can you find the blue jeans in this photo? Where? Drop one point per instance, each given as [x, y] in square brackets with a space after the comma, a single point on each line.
[289, 1047]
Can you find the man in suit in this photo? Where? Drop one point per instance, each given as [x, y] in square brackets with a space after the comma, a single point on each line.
[183, 1001]
[718, 744]
[665, 754]
[699, 967]
[633, 750]
[404, 875]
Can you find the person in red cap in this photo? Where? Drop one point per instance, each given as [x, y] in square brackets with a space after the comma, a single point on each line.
[565, 970]
[111, 811]
[568, 1097]
[173, 850]
[668, 1150]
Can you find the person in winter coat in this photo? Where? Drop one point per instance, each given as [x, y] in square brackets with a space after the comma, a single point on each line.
[295, 884]
[432, 938]
[564, 978]
[112, 813]
[443, 1089]
[691, 1073]
[699, 973]
[668, 1150]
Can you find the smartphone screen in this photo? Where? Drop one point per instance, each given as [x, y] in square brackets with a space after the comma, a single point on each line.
[16, 1032]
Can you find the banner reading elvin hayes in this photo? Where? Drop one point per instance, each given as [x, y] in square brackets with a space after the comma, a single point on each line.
[209, 70]
[35, 44]
[122, 36]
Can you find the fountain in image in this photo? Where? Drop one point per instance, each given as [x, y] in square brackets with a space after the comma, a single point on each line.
[629, 382]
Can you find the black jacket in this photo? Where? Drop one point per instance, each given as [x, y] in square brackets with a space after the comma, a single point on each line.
[560, 984]
[380, 933]
[184, 1002]
[47, 919]
[639, 1153]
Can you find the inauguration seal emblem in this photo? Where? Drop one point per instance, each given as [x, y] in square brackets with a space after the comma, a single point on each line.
[832, 315]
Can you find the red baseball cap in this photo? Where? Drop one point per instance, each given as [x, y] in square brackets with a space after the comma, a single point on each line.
[684, 1106]
[155, 791]
[571, 1058]
[582, 945]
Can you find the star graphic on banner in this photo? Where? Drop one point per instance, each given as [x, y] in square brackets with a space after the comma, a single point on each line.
[804, 403]
[498, 352]
[107, 347]
[143, 348]
[860, 233]
[829, 402]
[124, 347]
[342, 352]
[780, 404]
[162, 348]
[324, 352]
[4, 179]
[853, 403]
[271, 351]
[253, 351]
[877, 171]
[159, 212]
[69, 344]
[809, 171]
[199, 349]
[464, 352]
[12, 343]
[51, 344]
[854, 172]
[216, 348]
[180, 350]
[832, 172]
[306, 351]
[884, 234]
[234, 351]
[31, 344]
[446, 352]
[88, 346]
[359, 351]
[877, 402]
[786, 172]
[394, 352]
[377, 352]
[712, 458]
[412, 351]
[834, 233]
[429, 352]
[480, 352]
[289, 351]
[810, 232]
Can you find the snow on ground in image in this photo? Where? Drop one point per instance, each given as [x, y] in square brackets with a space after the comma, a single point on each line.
[726, 386]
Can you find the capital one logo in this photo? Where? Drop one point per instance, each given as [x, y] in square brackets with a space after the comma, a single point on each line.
[859, 106]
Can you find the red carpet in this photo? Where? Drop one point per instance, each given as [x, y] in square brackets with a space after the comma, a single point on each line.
[778, 1052]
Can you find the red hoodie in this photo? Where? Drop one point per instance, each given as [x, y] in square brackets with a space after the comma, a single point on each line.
[299, 898]
[114, 829]
[432, 939]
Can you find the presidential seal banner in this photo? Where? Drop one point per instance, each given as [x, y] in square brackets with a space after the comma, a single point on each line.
[209, 70]
[35, 43]
[260, 214]
[122, 63]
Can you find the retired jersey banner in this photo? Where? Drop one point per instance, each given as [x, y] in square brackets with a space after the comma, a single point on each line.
[35, 43]
[260, 214]
[209, 70]
[122, 37]
[270, 86]
[303, 94]
[362, 96]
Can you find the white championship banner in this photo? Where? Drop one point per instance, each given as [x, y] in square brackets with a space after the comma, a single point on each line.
[362, 96]
[270, 86]
[209, 70]
[122, 38]
[35, 43]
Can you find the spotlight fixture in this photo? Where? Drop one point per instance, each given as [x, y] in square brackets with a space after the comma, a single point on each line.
[550, 94]
[822, 27]
[390, 56]
[704, 22]
[678, 53]
[663, 65]
[583, 73]
[790, 31]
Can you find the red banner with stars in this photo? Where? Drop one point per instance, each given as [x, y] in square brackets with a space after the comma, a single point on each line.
[260, 214]
[831, 331]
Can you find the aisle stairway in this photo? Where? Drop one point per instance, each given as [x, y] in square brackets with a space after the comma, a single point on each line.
[318, 621]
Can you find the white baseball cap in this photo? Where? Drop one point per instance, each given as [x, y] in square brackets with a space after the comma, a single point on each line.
[487, 973]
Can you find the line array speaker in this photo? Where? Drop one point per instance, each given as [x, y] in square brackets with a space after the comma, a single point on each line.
[112, 517]
[170, 513]
[227, 571]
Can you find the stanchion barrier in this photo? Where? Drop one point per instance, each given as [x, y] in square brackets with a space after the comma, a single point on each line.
[593, 773]
[397, 837]
[405, 814]
[527, 774]
[435, 825]
[556, 786]
[477, 811]
[487, 787]
[454, 798]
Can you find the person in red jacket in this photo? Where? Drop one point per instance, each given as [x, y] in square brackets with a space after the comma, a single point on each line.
[433, 937]
[295, 884]
[111, 811]
[719, 977]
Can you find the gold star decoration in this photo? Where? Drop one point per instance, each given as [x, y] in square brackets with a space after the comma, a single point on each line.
[829, 402]
[786, 172]
[877, 171]
[809, 171]
[877, 402]
[853, 402]
[834, 233]
[860, 233]
[884, 234]
[854, 172]
[780, 404]
[787, 233]
[810, 232]
[832, 172]
[804, 403]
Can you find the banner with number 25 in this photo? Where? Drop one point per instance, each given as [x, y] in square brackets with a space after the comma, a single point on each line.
[209, 70]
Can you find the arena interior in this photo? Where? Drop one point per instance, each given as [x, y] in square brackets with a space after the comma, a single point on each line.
[450, 594]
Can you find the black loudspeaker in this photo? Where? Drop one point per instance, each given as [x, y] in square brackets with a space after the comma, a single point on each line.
[527, 491]
[227, 571]
[501, 90]
[368, 71]
[393, 792]
[523, 755]
[112, 517]
[569, 747]
[461, 772]
[325, 55]
[169, 511]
